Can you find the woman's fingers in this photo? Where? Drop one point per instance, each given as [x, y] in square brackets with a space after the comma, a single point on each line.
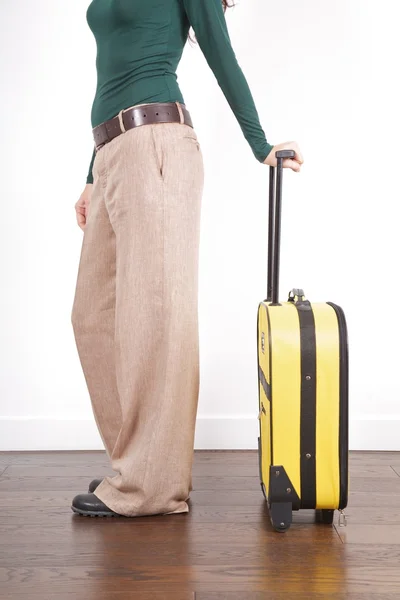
[290, 163]
[81, 219]
[82, 206]
[298, 155]
[80, 210]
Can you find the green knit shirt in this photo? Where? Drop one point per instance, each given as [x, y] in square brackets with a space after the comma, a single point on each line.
[139, 46]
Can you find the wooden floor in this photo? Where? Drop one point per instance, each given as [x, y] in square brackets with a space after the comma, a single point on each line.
[224, 549]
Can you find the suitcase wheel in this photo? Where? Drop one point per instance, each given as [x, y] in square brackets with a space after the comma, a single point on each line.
[281, 515]
[325, 516]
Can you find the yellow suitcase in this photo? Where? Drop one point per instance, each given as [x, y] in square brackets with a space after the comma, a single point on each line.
[302, 354]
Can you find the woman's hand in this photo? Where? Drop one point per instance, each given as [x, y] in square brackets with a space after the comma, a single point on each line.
[288, 163]
[82, 206]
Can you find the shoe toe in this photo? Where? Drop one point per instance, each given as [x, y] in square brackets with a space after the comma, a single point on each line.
[85, 502]
[89, 504]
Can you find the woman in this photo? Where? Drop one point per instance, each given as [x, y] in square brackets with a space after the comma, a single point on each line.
[135, 310]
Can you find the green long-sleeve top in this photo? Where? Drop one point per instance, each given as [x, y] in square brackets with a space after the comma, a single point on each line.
[139, 46]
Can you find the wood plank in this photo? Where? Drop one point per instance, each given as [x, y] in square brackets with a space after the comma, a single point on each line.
[10, 481]
[93, 470]
[202, 469]
[73, 485]
[362, 508]
[33, 482]
[123, 557]
[318, 578]
[374, 458]
[371, 556]
[42, 471]
[270, 556]
[337, 561]
[215, 458]
[308, 586]
[375, 534]
[17, 594]
[123, 530]
[62, 498]
[146, 578]
[87, 457]
[309, 595]
[10, 499]
[390, 485]
[207, 498]
[208, 514]
[56, 458]
[369, 514]
[376, 499]
[258, 514]
[371, 471]
[244, 557]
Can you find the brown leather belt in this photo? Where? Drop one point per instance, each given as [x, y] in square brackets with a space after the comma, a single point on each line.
[156, 112]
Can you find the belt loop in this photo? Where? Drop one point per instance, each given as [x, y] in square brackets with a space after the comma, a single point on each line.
[181, 115]
[121, 121]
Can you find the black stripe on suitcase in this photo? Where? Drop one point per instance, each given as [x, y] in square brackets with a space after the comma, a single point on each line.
[308, 418]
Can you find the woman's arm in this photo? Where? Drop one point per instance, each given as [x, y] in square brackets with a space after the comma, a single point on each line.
[208, 21]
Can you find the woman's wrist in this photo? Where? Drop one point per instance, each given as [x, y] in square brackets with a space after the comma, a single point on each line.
[267, 153]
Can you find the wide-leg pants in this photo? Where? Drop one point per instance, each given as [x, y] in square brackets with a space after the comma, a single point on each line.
[135, 314]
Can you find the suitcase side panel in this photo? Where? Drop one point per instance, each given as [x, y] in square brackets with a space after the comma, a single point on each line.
[327, 407]
[286, 389]
[344, 406]
[264, 401]
[265, 437]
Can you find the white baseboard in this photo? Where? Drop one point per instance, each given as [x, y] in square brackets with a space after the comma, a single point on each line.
[214, 433]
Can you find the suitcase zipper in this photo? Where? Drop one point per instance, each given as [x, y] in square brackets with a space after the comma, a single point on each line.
[342, 518]
[343, 406]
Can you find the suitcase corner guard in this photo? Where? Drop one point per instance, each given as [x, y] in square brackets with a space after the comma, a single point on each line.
[282, 500]
[281, 488]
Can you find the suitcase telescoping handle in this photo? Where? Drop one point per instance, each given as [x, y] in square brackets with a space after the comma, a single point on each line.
[274, 225]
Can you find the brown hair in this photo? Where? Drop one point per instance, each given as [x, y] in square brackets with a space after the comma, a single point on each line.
[225, 4]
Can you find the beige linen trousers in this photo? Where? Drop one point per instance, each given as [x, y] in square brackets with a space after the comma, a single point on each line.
[135, 314]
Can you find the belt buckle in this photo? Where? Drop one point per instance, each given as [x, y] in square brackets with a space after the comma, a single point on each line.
[121, 121]
[180, 112]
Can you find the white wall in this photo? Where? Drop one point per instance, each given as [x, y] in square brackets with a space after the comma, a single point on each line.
[324, 73]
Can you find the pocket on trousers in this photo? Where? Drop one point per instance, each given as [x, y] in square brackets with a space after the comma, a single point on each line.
[190, 134]
[193, 140]
[158, 151]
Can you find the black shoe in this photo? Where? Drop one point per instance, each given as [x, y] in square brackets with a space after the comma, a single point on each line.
[94, 484]
[89, 505]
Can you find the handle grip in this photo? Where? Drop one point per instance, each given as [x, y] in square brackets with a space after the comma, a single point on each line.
[285, 154]
[274, 225]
